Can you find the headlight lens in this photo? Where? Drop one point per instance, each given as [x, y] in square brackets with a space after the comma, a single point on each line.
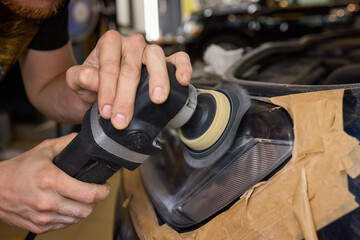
[184, 197]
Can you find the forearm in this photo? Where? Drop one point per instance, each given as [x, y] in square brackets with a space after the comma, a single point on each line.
[58, 102]
[43, 74]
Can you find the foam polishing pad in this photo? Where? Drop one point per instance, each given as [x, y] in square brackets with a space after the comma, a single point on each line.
[208, 122]
[211, 130]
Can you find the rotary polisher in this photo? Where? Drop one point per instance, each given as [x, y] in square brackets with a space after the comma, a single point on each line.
[206, 120]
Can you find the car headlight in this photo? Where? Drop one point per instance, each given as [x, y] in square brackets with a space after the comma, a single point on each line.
[185, 197]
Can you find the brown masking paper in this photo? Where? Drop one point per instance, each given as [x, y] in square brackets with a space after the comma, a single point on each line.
[310, 192]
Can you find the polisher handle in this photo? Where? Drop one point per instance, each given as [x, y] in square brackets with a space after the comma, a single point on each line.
[76, 162]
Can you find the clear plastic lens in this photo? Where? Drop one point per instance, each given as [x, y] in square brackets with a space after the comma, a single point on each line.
[240, 174]
[184, 196]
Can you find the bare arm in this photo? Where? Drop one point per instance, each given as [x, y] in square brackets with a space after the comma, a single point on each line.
[44, 79]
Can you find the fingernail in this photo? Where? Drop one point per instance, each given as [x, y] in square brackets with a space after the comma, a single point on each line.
[119, 121]
[158, 93]
[107, 111]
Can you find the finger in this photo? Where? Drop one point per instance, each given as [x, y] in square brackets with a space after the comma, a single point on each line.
[53, 207]
[55, 178]
[68, 207]
[159, 86]
[25, 223]
[48, 218]
[53, 147]
[88, 97]
[181, 60]
[57, 226]
[83, 77]
[129, 78]
[109, 52]
[79, 191]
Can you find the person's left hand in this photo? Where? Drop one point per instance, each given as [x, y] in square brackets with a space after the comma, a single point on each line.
[111, 74]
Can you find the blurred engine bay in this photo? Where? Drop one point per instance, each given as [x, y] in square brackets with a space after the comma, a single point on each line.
[335, 61]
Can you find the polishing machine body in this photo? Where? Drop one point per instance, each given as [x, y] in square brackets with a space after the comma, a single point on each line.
[99, 150]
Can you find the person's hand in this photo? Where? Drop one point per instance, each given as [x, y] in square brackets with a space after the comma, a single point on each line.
[111, 74]
[38, 196]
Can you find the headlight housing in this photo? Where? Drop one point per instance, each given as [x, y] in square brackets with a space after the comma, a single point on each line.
[185, 197]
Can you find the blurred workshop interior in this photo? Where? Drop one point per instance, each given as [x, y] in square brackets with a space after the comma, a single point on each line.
[192, 26]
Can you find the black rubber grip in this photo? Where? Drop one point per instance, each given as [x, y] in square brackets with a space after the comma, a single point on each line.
[75, 161]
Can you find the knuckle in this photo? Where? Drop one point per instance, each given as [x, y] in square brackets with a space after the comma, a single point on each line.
[155, 48]
[44, 205]
[46, 146]
[46, 179]
[91, 196]
[137, 39]
[43, 220]
[153, 52]
[109, 37]
[87, 211]
[130, 71]
[84, 76]
[183, 55]
[46, 143]
[68, 75]
[111, 67]
[83, 212]
[123, 104]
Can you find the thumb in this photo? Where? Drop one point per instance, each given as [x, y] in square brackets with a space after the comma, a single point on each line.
[70, 187]
[83, 77]
[58, 144]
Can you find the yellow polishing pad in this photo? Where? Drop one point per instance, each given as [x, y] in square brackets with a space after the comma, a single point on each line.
[217, 127]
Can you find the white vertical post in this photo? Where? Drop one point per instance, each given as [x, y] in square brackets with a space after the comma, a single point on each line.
[151, 14]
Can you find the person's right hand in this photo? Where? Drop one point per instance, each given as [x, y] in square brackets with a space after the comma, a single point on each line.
[38, 196]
